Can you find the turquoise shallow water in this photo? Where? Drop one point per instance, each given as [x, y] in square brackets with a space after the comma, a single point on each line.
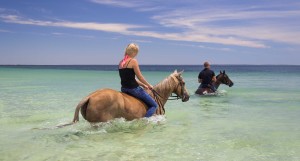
[256, 119]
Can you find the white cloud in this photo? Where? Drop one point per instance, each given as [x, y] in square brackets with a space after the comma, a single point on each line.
[120, 3]
[202, 46]
[141, 41]
[138, 5]
[242, 25]
[192, 37]
[250, 26]
[127, 29]
[108, 27]
[72, 35]
[148, 9]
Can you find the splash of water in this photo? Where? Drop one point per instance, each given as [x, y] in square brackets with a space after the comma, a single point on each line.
[217, 93]
[121, 125]
[115, 125]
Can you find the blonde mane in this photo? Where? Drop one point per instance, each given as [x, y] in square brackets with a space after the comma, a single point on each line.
[166, 84]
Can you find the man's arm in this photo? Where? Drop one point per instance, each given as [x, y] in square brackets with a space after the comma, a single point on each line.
[200, 78]
[213, 79]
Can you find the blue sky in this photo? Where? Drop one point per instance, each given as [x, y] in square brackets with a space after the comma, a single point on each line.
[167, 31]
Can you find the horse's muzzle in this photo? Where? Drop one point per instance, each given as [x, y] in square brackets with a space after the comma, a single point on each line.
[185, 97]
[231, 84]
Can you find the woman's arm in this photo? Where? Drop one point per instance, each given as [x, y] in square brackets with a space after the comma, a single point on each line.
[141, 84]
[138, 73]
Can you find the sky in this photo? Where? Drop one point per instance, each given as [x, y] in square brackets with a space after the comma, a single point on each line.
[168, 32]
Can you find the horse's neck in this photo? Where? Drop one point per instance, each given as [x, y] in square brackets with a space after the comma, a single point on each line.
[165, 89]
[217, 83]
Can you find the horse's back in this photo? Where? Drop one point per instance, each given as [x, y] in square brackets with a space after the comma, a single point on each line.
[107, 95]
[106, 104]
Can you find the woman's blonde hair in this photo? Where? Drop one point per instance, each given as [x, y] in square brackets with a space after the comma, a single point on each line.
[131, 49]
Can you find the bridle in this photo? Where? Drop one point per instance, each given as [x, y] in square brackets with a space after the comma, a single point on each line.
[224, 80]
[156, 95]
[180, 83]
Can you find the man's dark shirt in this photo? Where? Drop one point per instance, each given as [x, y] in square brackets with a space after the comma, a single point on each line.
[206, 75]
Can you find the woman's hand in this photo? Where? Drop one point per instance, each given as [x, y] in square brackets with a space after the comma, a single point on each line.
[150, 87]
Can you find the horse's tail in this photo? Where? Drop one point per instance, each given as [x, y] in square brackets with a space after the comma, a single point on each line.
[81, 104]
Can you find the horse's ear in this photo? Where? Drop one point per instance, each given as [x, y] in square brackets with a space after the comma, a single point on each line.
[223, 71]
[179, 73]
[175, 71]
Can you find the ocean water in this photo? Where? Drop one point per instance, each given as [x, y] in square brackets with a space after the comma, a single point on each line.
[256, 119]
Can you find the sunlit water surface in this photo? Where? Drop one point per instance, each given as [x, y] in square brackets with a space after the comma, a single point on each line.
[256, 119]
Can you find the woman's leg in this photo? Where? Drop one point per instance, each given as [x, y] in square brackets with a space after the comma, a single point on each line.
[141, 94]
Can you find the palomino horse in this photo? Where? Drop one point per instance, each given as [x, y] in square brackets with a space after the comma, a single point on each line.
[222, 78]
[106, 104]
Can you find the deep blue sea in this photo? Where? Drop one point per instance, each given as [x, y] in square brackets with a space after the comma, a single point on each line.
[256, 119]
[189, 68]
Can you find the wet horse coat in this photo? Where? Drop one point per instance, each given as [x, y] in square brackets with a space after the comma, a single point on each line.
[106, 104]
[222, 78]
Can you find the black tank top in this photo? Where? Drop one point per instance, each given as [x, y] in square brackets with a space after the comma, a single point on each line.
[127, 76]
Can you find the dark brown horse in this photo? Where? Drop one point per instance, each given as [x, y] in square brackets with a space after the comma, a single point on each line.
[106, 104]
[222, 78]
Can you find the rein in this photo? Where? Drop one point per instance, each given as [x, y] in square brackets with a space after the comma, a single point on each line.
[156, 94]
[157, 97]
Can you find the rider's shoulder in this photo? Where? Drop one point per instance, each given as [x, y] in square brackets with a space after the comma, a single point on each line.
[133, 60]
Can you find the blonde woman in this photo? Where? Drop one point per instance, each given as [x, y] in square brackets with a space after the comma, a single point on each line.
[128, 70]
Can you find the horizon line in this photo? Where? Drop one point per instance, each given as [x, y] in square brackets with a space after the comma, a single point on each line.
[144, 64]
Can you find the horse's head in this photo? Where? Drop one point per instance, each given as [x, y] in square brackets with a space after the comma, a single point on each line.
[179, 86]
[224, 79]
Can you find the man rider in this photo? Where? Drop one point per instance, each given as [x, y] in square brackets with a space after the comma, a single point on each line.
[206, 77]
